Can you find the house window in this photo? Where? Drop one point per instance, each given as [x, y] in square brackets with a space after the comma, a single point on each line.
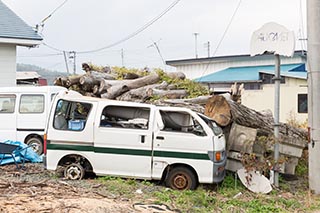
[7, 103]
[31, 104]
[302, 103]
[125, 117]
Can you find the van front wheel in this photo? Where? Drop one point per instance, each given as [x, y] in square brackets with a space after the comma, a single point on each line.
[181, 178]
[36, 145]
[74, 171]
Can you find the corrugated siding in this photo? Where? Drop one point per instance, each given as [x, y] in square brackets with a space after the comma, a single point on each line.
[11, 26]
[7, 65]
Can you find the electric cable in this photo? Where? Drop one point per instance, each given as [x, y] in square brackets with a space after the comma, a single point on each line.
[141, 29]
[222, 38]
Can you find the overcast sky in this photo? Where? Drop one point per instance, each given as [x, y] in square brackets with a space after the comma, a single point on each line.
[83, 25]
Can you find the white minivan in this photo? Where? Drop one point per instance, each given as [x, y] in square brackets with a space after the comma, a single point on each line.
[23, 113]
[143, 141]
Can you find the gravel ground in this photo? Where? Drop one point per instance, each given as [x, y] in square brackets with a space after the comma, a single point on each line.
[35, 189]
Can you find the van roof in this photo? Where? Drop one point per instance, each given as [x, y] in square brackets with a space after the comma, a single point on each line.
[31, 89]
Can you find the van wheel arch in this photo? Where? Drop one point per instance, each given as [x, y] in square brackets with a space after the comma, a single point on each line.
[169, 168]
[76, 159]
[37, 142]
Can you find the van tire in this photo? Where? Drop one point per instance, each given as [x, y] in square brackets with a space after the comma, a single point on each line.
[36, 143]
[74, 171]
[181, 178]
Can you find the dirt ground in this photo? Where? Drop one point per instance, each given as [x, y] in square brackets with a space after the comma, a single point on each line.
[37, 190]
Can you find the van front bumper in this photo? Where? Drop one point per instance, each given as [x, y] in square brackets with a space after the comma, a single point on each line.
[219, 171]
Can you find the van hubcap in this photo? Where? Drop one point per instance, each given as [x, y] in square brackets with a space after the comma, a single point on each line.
[180, 181]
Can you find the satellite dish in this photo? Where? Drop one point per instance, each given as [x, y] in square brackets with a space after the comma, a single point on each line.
[254, 181]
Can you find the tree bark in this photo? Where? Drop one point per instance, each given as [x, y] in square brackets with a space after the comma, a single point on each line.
[72, 80]
[141, 93]
[176, 75]
[181, 93]
[115, 91]
[105, 85]
[220, 107]
[61, 81]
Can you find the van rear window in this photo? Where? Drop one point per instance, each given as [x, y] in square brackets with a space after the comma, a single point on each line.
[7, 103]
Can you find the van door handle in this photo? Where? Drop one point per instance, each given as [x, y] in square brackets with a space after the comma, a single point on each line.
[143, 138]
[160, 137]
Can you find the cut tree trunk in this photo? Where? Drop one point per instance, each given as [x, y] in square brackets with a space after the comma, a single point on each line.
[72, 80]
[61, 81]
[179, 93]
[225, 111]
[115, 91]
[106, 85]
[140, 94]
[176, 75]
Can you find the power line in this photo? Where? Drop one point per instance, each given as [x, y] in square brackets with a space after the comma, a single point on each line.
[222, 38]
[148, 24]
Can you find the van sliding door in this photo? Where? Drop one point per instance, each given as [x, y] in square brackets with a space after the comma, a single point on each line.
[123, 141]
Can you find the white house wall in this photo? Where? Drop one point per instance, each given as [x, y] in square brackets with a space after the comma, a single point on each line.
[201, 68]
[7, 65]
[264, 99]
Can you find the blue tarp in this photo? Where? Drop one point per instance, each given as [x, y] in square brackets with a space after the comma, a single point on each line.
[28, 154]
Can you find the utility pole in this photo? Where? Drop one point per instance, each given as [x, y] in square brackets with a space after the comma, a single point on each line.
[277, 80]
[313, 28]
[122, 58]
[196, 43]
[66, 61]
[207, 46]
[74, 62]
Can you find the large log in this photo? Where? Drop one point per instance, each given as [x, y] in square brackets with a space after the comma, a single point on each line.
[72, 80]
[106, 85]
[181, 93]
[176, 75]
[141, 94]
[61, 81]
[245, 116]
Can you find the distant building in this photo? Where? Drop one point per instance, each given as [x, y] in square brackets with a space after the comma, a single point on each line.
[13, 32]
[30, 78]
[256, 74]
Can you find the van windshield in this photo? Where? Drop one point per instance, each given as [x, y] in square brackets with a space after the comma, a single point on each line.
[213, 126]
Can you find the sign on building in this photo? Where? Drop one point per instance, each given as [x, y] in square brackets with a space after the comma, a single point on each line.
[272, 37]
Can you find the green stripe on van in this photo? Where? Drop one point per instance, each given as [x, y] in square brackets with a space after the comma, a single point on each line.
[138, 152]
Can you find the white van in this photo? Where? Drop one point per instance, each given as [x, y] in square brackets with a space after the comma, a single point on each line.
[135, 140]
[23, 113]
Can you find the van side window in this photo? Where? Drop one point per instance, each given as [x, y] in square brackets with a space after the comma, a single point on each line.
[125, 117]
[181, 122]
[31, 104]
[7, 103]
[71, 115]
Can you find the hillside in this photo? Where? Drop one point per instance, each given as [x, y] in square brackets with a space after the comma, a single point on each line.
[50, 75]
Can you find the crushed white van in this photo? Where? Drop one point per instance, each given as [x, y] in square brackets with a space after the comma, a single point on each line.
[23, 113]
[176, 145]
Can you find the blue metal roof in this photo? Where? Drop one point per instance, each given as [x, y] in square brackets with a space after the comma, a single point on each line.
[251, 73]
[11, 26]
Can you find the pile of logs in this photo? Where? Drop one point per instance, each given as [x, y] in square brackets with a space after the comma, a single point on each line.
[131, 87]
[242, 126]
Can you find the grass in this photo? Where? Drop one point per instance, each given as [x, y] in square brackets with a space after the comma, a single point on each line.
[229, 196]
